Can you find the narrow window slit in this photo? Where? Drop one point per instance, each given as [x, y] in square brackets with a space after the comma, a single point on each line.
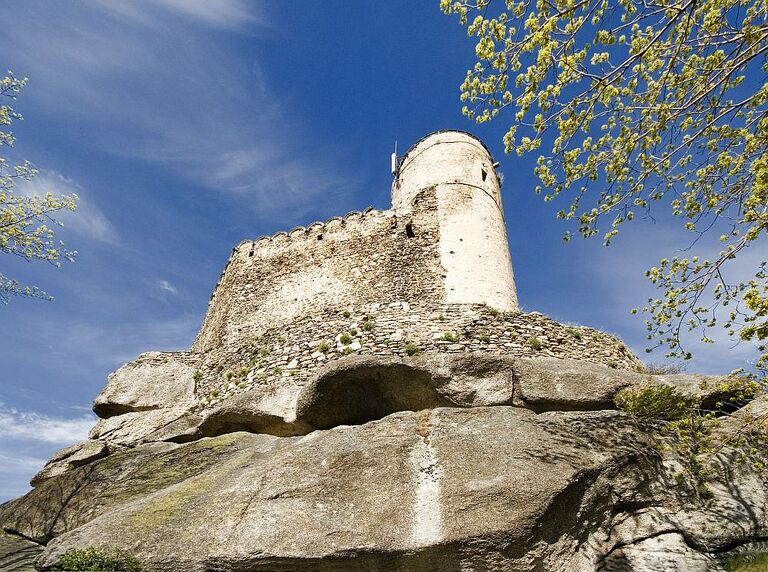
[485, 173]
[409, 230]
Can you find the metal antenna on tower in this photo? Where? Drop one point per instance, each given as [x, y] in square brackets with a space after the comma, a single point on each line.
[394, 160]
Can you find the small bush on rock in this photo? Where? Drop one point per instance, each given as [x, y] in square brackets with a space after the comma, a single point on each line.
[345, 339]
[689, 431]
[98, 560]
[535, 343]
[323, 347]
[411, 349]
[450, 337]
[491, 310]
[654, 402]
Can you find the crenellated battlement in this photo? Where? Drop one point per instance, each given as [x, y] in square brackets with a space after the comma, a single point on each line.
[309, 232]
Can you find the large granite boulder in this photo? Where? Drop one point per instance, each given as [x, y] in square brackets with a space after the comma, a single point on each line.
[68, 458]
[447, 462]
[155, 380]
[485, 488]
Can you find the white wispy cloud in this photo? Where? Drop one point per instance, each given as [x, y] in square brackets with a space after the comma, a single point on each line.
[31, 426]
[222, 13]
[27, 441]
[166, 286]
[158, 74]
[86, 221]
[20, 464]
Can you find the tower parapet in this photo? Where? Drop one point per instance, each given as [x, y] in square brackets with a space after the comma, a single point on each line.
[473, 246]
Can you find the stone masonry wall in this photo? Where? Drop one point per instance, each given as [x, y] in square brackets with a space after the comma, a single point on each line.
[474, 250]
[293, 354]
[350, 261]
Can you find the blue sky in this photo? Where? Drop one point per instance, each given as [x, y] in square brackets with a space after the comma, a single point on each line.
[186, 126]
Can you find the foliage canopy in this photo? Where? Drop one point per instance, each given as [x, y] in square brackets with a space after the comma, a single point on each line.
[26, 221]
[631, 102]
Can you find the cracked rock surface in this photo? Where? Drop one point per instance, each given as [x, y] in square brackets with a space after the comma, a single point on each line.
[428, 464]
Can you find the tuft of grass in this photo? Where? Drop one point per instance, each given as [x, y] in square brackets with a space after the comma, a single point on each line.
[450, 337]
[263, 352]
[574, 332]
[229, 375]
[368, 326]
[346, 313]
[346, 351]
[485, 338]
[278, 371]
[280, 339]
[411, 349]
[99, 560]
[197, 376]
[323, 347]
[612, 364]
[535, 343]
[345, 339]
[492, 311]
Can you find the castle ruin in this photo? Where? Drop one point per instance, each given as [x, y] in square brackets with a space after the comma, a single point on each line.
[431, 274]
[366, 394]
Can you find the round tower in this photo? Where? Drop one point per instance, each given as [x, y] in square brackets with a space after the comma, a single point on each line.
[473, 239]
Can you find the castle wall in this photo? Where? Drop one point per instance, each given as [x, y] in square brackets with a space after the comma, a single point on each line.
[358, 259]
[473, 241]
[292, 354]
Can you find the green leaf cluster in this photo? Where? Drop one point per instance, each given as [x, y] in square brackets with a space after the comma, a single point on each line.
[26, 221]
[630, 105]
[689, 430]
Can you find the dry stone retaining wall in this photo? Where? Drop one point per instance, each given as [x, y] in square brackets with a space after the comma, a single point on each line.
[293, 354]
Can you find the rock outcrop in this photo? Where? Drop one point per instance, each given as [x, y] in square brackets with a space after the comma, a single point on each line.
[428, 463]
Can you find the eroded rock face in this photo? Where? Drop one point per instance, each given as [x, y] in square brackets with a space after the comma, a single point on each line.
[70, 457]
[17, 554]
[436, 462]
[486, 488]
[153, 399]
[154, 380]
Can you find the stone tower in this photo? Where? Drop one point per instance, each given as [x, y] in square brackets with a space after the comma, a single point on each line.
[473, 239]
